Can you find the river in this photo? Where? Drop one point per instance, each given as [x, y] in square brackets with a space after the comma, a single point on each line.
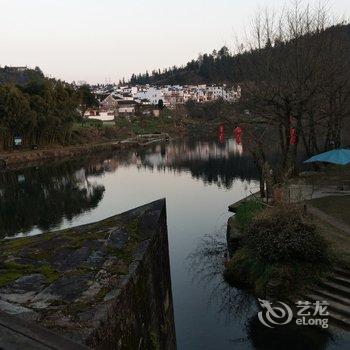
[199, 179]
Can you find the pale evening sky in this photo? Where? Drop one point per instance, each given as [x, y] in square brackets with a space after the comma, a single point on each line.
[95, 40]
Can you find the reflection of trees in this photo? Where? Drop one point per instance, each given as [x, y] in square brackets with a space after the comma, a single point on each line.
[207, 263]
[43, 197]
[209, 161]
[220, 171]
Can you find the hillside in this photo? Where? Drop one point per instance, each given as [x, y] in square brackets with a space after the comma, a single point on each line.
[20, 75]
[217, 67]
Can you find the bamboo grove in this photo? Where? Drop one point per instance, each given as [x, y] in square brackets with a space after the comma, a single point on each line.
[41, 112]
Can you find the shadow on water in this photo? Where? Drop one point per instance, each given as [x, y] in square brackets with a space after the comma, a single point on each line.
[287, 337]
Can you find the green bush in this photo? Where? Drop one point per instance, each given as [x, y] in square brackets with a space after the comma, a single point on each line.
[283, 235]
[245, 213]
[281, 254]
[95, 123]
[244, 271]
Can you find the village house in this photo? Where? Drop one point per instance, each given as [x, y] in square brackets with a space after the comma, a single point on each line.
[126, 100]
[127, 108]
[109, 103]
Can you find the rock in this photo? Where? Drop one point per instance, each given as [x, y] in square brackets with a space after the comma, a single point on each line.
[90, 293]
[68, 287]
[67, 260]
[20, 311]
[19, 298]
[58, 319]
[113, 294]
[117, 238]
[32, 282]
[96, 258]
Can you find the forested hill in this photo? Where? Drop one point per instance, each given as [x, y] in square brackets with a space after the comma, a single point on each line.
[20, 75]
[214, 68]
[217, 67]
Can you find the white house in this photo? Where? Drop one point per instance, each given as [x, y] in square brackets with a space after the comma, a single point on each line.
[150, 93]
[127, 107]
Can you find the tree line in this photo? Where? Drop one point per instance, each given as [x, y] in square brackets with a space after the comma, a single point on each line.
[295, 76]
[41, 112]
[20, 75]
[294, 70]
[208, 68]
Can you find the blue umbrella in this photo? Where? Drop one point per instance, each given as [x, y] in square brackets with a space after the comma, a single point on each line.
[337, 156]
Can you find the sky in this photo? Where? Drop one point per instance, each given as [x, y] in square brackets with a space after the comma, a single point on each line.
[98, 41]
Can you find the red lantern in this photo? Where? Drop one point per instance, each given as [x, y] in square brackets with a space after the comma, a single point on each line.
[293, 136]
[237, 132]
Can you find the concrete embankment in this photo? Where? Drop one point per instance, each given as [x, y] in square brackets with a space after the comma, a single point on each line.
[23, 158]
[104, 285]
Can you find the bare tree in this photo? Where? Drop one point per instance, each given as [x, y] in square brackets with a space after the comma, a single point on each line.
[294, 74]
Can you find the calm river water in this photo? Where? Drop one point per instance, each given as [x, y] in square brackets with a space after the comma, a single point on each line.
[199, 179]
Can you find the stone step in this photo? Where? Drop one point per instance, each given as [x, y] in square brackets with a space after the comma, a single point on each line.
[342, 272]
[339, 279]
[335, 319]
[337, 307]
[335, 288]
[339, 320]
[331, 296]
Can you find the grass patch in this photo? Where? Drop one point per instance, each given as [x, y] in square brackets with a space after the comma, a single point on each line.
[245, 213]
[11, 271]
[146, 125]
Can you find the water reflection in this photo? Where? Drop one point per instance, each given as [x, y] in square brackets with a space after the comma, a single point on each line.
[209, 161]
[206, 266]
[207, 263]
[43, 197]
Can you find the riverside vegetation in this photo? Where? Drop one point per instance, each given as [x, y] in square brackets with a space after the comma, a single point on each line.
[279, 251]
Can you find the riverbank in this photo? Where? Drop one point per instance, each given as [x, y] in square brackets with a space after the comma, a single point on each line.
[95, 136]
[293, 276]
[22, 158]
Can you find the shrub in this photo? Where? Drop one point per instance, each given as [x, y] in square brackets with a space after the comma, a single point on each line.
[94, 123]
[285, 235]
[244, 271]
[245, 213]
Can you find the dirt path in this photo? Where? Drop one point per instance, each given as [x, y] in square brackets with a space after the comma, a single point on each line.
[340, 225]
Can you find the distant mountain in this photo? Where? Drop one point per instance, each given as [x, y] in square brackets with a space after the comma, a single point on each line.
[20, 75]
[217, 67]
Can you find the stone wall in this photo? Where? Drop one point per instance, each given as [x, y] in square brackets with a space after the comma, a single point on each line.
[142, 315]
[106, 284]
